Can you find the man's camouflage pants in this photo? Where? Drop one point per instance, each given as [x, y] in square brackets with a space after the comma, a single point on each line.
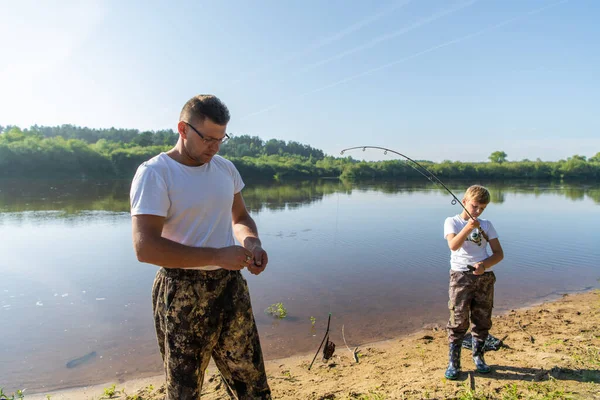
[199, 314]
[470, 296]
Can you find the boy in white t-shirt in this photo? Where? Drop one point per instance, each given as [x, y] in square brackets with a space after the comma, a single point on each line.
[471, 278]
[186, 206]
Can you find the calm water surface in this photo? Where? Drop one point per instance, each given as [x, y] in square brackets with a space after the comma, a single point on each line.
[372, 255]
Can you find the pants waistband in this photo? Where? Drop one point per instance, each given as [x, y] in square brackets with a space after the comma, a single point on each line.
[195, 274]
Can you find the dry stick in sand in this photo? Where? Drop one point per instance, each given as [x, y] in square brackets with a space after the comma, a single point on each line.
[323, 341]
[531, 339]
[354, 353]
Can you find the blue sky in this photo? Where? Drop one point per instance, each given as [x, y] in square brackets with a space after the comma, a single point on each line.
[433, 79]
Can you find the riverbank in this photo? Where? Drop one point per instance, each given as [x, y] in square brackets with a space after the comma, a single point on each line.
[551, 351]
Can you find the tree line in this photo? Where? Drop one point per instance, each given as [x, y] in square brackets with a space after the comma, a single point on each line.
[69, 151]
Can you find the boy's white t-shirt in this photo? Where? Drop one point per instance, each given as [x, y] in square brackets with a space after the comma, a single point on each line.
[195, 201]
[474, 249]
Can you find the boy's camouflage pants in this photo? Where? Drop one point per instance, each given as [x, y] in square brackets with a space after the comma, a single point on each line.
[470, 295]
[199, 314]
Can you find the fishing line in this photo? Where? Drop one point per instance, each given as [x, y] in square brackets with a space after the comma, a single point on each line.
[329, 346]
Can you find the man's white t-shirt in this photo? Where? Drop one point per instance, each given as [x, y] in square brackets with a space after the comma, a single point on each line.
[195, 201]
[474, 249]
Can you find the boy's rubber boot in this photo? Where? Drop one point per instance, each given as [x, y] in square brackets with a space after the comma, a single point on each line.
[454, 361]
[480, 364]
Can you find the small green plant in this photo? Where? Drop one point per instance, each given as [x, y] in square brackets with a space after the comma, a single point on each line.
[312, 321]
[110, 391]
[277, 310]
[511, 392]
[553, 342]
[469, 394]
[421, 352]
[549, 391]
[371, 396]
[17, 395]
[588, 355]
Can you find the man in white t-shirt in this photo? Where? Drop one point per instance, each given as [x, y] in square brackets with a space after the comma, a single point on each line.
[186, 207]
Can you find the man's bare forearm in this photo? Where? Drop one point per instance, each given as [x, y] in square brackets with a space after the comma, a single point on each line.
[246, 232]
[169, 254]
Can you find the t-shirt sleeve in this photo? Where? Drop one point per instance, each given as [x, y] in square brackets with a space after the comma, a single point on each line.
[149, 194]
[491, 231]
[449, 227]
[238, 182]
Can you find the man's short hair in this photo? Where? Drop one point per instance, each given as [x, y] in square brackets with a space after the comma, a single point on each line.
[203, 106]
[478, 193]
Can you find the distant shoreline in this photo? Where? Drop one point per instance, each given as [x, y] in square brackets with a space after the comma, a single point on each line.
[113, 153]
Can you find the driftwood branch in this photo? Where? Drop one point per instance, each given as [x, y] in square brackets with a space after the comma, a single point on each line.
[355, 352]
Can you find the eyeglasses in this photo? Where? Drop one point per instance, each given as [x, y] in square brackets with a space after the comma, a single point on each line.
[208, 140]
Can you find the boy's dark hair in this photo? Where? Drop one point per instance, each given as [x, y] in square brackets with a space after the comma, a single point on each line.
[203, 106]
[478, 193]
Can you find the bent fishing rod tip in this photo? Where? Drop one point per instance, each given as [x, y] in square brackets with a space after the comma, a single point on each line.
[421, 170]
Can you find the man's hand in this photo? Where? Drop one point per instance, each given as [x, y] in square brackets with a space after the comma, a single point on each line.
[234, 258]
[479, 268]
[260, 260]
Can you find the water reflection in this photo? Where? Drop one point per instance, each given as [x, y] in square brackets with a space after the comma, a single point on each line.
[72, 197]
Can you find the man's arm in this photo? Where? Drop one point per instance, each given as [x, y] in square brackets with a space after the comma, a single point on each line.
[150, 247]
[245, 231]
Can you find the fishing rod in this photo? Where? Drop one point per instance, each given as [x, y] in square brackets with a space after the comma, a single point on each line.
[423, 171]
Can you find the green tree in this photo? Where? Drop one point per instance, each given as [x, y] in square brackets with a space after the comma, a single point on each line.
[595, 159]
[274, 146]
[144, 139]
[498, 157]
[14, 134]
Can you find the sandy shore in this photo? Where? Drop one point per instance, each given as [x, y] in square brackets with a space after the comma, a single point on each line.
[552, 351]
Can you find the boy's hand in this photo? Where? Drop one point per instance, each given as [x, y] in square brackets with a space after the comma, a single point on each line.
[473, 224]
[479, 269]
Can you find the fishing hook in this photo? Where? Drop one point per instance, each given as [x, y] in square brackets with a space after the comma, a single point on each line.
[423, 171]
